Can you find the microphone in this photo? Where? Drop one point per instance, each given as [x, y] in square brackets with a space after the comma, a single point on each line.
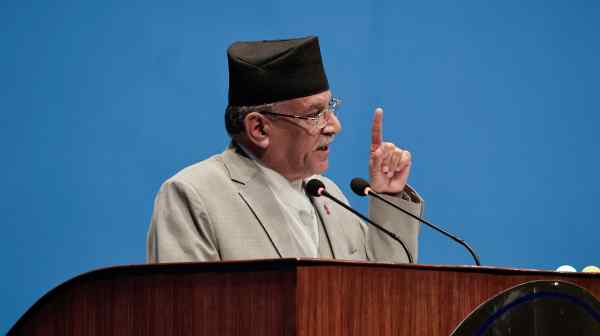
[316, 188]
[362, 188]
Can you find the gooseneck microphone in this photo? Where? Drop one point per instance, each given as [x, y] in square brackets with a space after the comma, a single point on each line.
[316, 188]
[362, 188]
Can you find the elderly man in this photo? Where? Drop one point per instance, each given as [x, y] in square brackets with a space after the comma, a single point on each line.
[249, 201]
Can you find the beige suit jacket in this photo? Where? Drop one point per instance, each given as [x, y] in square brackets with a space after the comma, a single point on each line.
[222, 209]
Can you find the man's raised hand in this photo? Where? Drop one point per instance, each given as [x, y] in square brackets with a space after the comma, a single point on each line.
[389, 166]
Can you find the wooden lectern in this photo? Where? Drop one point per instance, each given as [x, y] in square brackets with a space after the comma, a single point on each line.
[274, 297]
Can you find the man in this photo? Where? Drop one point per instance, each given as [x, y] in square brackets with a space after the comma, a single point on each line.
[249, 201]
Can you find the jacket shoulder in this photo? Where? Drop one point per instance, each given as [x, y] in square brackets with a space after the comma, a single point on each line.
[201, 175]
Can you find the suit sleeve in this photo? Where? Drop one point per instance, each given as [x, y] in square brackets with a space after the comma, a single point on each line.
[181, 228]
[380, 247]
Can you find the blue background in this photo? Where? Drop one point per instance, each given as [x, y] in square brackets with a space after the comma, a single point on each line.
[102, 101]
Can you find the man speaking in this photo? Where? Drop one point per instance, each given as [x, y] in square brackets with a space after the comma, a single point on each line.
[249, 202]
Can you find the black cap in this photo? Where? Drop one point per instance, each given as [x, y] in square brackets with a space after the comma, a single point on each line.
[262, 72]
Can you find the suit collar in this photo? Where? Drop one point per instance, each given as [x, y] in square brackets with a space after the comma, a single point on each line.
[241, 168]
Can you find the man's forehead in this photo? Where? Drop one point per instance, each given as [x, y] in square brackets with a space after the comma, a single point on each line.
[314, 102]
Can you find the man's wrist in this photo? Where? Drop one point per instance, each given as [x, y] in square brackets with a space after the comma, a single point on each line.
[406, 194]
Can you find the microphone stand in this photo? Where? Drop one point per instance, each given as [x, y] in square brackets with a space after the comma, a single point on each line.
[389, 233]
[370, 192]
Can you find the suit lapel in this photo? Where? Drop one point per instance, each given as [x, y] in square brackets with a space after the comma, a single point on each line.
[260, 199]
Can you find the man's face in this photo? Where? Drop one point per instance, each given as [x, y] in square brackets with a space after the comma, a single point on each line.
[298, 148]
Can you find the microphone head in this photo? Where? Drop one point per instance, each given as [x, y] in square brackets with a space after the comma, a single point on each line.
[359, 186]
[315, 188]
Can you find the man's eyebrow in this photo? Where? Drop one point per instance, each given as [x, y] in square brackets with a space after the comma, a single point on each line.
[317, 107]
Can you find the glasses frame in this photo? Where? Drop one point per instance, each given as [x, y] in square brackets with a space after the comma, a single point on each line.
[318, 119]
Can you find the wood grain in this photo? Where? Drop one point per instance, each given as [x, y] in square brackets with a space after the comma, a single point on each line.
[375, 299]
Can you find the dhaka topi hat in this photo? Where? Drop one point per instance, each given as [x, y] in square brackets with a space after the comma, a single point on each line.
[262, 72]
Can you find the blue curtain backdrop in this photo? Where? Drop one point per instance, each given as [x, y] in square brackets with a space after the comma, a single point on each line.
[102, 101]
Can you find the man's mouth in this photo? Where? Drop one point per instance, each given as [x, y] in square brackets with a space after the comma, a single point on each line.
[324, 146]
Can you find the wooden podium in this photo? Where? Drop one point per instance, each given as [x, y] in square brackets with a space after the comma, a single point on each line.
[274, 297]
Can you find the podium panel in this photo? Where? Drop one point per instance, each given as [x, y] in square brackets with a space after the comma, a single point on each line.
[275, 297]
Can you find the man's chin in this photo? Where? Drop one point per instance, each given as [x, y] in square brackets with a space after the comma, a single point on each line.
[321, 167]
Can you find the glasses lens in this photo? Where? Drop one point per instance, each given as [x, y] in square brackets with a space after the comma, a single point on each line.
[321, 120]
[323, 117]
[334, 104]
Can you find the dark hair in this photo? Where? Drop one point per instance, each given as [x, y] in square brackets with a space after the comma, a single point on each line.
[234, 116]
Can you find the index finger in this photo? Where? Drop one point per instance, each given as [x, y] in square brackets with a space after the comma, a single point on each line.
[377, 129]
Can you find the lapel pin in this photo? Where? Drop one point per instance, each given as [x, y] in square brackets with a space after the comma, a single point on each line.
[326, 209]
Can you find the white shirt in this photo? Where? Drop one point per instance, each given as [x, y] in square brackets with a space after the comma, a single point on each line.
[298, 210]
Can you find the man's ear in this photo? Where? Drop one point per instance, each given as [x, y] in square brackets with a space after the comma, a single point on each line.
[258, 129]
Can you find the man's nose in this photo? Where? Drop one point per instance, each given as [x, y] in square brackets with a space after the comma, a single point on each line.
[333, 125]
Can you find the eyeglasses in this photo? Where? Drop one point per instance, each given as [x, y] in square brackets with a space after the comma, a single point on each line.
[317, 120]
